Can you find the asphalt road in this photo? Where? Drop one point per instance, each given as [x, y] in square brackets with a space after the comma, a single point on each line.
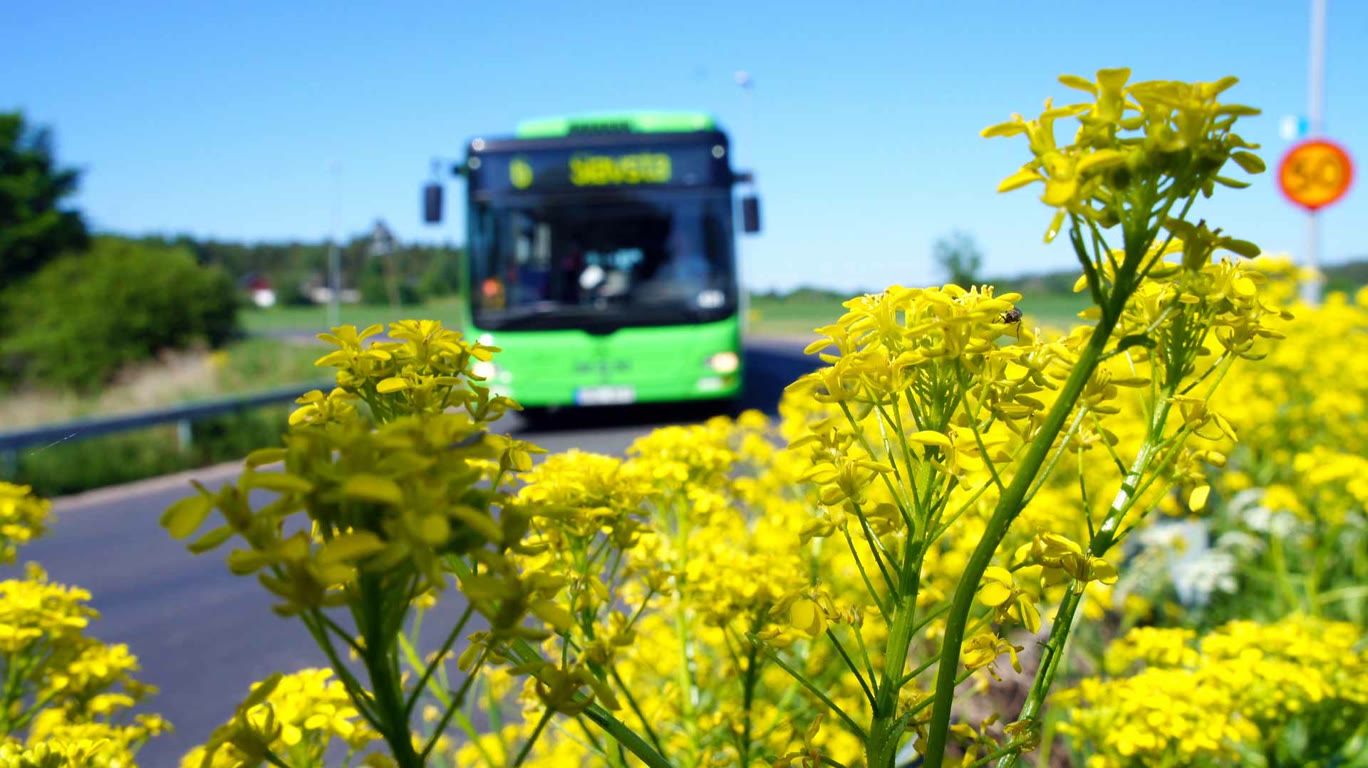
[203, 635]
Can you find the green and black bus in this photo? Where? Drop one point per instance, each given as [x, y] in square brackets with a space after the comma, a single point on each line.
[600, 255]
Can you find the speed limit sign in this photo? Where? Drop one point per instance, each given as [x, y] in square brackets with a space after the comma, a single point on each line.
[1315, 173]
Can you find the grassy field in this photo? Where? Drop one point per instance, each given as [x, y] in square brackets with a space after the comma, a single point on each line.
[798, 317]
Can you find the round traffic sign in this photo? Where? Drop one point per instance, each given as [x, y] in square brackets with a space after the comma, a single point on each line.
[1315, 173]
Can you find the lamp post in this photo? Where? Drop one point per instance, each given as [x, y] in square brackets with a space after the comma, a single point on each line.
[334, 257]
[1315, 117]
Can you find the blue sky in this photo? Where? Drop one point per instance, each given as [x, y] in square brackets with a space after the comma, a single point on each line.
[220, 119]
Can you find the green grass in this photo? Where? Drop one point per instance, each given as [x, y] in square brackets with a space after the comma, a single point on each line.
[314, 319]
[265, 363]
[798, 317]
[792, 317]
[1057, 311]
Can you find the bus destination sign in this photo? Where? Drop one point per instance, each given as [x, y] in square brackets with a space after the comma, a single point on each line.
[562, 170]
[588, 170]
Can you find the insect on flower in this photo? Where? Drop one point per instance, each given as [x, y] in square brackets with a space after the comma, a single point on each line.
[1012, 317]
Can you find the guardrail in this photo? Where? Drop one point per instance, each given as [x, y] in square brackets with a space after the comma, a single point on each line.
[11, 443]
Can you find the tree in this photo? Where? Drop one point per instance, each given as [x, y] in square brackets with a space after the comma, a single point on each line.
[960, 258]
[33, 227]
[82, 317]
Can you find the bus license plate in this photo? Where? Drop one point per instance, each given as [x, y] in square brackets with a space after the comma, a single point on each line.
[608, 395]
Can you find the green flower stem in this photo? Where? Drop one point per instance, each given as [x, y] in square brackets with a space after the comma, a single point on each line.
[274, 759]
[532, 740]
[626, 737]
[885, 732]
[869, 586]
[816, 691]
[636, 709]
[457, 701]
[379, 657]
[615, 728]
[1008, 507]
[438, 659]
[850, 664]
[1101, 542]
[1049, 664]
[748, 701]
[358, 693]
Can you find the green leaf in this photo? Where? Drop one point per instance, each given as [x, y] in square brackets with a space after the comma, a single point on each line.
[350, 547]
[280, 482]
[1250, 162]
[260, 691]
[381, 490]
[1074, 81]
[1241, 247]
[211, 540]
[182, 518]
[264, 456]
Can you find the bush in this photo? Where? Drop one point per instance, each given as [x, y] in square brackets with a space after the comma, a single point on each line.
[83, 317]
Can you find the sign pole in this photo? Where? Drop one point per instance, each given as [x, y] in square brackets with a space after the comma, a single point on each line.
[1315, 114]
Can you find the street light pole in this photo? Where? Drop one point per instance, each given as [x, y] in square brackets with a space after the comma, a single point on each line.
[1315, 117]
[747, 139]
[334, 257]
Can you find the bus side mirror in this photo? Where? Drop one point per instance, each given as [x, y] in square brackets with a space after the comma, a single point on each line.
[750, 214]
[432, 203]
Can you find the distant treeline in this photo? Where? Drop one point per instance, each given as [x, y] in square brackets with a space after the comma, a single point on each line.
[294, 269]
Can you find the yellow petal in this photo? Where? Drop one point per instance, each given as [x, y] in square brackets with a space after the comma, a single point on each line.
[1019, 179]
[994, 593]
[929, 437]
[1009, 128]
[559, 618]
[807, 616]
[1059, 191]
[1198, 498]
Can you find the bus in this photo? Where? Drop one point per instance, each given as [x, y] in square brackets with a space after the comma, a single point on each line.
[601, 258]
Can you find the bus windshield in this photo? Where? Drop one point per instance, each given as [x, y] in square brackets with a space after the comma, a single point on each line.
[630, 258]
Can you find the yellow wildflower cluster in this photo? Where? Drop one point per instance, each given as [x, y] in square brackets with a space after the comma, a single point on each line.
[68, 698]
[1294, 693]
[62, 754]
[678, 575]
[1287, 505]
[23, 518]
[390, 487]
[1129, 139]
[297, 717]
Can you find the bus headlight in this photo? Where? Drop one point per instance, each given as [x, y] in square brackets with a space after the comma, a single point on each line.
[484, 369]
[724, 362]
